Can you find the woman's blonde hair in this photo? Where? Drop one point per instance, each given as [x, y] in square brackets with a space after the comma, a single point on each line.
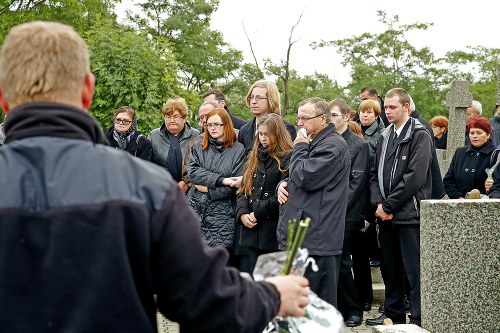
[175, 104]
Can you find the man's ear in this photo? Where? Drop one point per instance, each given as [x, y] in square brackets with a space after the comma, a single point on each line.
[3, 102]
[88, 91]
[222, 103]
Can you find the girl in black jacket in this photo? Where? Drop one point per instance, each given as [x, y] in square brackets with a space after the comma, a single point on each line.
[257, 205]
[125, 134]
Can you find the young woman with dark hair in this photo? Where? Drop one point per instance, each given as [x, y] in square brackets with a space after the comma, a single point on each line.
[257, 205]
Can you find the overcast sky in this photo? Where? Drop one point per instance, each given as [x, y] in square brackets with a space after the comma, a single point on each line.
[268, 23]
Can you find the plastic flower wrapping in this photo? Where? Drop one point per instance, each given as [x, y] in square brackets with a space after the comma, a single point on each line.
[320, 316]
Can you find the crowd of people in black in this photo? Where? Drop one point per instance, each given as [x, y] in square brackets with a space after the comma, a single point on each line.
[360, 179]
[234, 179]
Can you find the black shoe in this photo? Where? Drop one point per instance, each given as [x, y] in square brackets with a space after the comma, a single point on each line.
[354, 320]
[367, 307]
[375, 263]
[380, 321]
[381, 308]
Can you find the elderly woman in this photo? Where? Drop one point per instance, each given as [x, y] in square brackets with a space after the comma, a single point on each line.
[171, 139]
[439, 126]
[371, 124]
[467, 168]
[212, 163]
[125, 135]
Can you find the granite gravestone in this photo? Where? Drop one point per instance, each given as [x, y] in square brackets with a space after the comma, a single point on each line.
[460, 265]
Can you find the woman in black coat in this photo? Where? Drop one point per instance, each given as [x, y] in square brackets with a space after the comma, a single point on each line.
[467, 168]
[257, 205]
[213, 162]
[125, 134]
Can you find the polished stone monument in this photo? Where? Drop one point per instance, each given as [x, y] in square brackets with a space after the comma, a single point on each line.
[460, 265]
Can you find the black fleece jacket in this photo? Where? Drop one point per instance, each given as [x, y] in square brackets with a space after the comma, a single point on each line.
[88, 234]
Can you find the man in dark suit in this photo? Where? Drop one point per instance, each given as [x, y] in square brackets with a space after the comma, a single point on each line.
[400, 179]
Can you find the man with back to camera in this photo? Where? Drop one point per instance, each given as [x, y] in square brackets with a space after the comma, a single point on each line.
[400, 178]
[358, 195]
[217, 96]
[316, 188]
[92, 232]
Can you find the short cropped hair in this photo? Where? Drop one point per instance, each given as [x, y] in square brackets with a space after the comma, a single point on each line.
[368, 104]
[372, 91]
[43, 61]
[477, 107]
[273, 95]
[213, 103]
[481, 123]
[126, 109]
[439, 121]
[219, 95]
[175, 104]
[229, 133]
[404, 97]
[342, 104]
[321, 106]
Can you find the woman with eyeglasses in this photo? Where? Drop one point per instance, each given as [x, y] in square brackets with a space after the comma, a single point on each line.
[125, 135]
[212, 163]
[171, 139]
[439, 126]
[257, 206]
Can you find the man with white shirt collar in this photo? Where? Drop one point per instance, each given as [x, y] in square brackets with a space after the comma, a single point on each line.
[400, 179]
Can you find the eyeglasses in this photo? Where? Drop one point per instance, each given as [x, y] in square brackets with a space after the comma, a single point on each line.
[305, 120]
[214, 125]
[200, 118]
[122, 121]
[176, 117]
[257, 98]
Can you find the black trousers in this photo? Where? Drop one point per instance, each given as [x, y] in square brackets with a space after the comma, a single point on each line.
[324, 282]
[347, 296]
[360, 251]
[253, 255]
[401, 259]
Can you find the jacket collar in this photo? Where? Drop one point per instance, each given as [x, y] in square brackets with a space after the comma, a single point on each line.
[487, 148]
[330, 128]
[53, 120]
[415, 125]
[378, 123]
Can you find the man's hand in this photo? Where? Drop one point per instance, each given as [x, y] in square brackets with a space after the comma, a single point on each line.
[301, 138]
[248, 220]
[381, 214]
[236, 181]
[488, 183]
[282, 193]
[293, 294]
[201, 188]
[183, 186]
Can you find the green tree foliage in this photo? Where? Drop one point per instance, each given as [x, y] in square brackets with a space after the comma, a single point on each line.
[388, 60]
[131, 71]
[81, 14]
[202, 54]
[479, 66]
